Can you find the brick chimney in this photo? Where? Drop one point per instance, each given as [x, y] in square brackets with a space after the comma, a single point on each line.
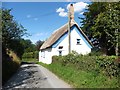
[71, 13]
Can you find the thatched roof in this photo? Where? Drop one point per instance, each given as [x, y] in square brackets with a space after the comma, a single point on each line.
[58, 33]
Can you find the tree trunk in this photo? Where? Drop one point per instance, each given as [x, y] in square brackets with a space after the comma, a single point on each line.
[104, 51]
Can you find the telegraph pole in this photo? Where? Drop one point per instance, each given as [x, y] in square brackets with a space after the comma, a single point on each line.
[70, 18]
[69, 36]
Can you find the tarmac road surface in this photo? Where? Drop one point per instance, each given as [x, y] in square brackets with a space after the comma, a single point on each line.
[31, 75]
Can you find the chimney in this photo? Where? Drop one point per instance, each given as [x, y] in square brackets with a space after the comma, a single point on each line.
[71, 13]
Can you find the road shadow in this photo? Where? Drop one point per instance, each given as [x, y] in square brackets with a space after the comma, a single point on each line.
[24, 75]
[27, 63]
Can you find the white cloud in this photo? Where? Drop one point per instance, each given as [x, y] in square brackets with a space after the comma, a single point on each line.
[78, 8]
[31, 17]
[60, 9]
[61, 12]
[28, 16]
[40, 34]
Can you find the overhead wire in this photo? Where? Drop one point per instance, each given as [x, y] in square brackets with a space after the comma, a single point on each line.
[38, 16]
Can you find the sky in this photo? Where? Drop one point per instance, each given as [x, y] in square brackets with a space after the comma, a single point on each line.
[41, 19]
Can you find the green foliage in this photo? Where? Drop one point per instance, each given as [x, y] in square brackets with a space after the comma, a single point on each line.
[28, 46]
[108, 66]
[28, 55]
[31, 55]
[11, 30]
[12, 33]
[17, 47]
[95, 53]
[10, 64]
[36, 54]
[84, 71]
[101, 24]
[30, 60]
[11, 36]
[39, 44]
[91, 63]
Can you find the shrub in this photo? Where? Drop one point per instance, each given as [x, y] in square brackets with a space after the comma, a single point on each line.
[96, 64]
[36, 54]
[108, 65]
[31, 55]
[96, 53]
[84, 71]
[10, 64]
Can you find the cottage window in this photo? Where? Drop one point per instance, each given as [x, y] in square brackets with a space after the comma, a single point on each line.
[78, 41]
[60, 53]
[60, 47]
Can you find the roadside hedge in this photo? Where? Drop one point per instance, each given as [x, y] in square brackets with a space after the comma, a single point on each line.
[31, 55]
[107, 65]
[10, 64]
[87, 71]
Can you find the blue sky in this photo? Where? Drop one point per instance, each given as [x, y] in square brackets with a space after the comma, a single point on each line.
[41, 19]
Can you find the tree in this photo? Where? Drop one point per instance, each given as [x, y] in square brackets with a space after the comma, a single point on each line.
[17, 47]
[28, 46]
[102, 24]
[11, 32]
[39, 44]
[11, 36]
[90, 15]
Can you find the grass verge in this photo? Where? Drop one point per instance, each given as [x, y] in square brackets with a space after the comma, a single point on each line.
[29, 60]
[80, 78]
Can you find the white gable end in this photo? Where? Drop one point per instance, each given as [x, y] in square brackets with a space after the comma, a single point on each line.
[81, 48]
[63, 43]
[60, 47]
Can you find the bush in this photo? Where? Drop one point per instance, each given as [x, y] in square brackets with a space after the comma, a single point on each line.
[95, 53]
[108, 65]
[10, 64]
[28, 55]
[36, 54]
[97, 64]
[84, 71]
[31, 55]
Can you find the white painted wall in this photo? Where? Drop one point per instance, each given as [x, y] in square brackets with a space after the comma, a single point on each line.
[81, 49]
[45, 56]
[64, 43]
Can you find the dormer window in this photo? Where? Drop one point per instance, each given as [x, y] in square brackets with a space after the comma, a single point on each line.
[78, 41]
[60, 47]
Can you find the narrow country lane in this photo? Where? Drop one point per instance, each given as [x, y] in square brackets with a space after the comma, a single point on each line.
[34, 76]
